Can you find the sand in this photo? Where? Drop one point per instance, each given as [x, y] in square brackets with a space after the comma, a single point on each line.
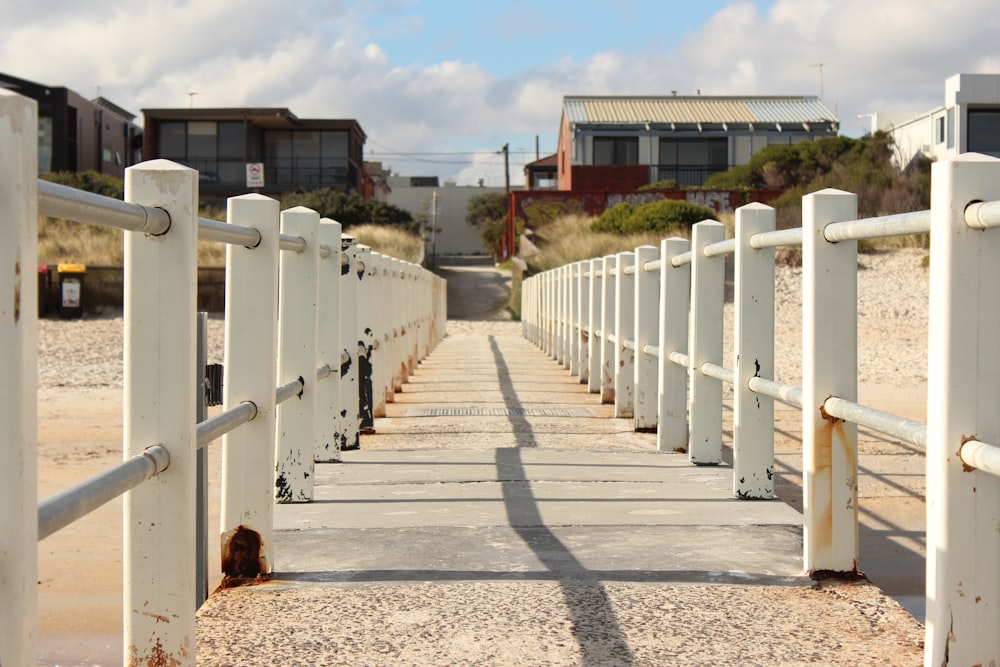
[80, 378]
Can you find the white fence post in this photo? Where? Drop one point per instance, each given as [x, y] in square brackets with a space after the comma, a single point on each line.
[348, 421]
[574, 329]
[707, 297]
[250, 375]
[675, 292]
[18, 390]
[594, 345]
[753, 415]
[387, 304]
[328, 345]
[647, 307]
[829, 368]
[624, 370]
[583, 315]
[296, 429]
[608, 330]
[364, 339]
[159, 409]
[963, 526]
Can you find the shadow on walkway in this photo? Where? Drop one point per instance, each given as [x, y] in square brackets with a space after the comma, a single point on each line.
[589, 605]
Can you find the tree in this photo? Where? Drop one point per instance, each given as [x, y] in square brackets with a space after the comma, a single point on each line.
[488, 212]
[349, 209]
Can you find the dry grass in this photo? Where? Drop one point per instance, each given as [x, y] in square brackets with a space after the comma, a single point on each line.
[569, 239]
[60, 241]
[388, 240]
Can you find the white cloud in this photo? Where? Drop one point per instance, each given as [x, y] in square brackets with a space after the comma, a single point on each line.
[885, 55]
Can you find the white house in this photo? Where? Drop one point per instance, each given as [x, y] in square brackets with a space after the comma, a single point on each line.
[967, 122]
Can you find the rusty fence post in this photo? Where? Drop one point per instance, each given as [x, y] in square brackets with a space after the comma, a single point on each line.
[829, 368]
[296, 428]
[963, 525]
[328, 345]
[250, 376]
[707, 300]
[753, 356]
[159, 409]
[18, 368]
[348, 424]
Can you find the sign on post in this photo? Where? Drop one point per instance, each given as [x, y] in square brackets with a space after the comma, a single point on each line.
[255, 174]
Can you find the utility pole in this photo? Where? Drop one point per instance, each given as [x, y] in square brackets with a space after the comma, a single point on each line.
[510, 240]
[506, 167]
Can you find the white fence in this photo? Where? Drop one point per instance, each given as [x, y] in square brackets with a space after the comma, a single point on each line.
[644, 329]
[341, 306]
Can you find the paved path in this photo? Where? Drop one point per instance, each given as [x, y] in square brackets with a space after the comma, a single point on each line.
[499, 516]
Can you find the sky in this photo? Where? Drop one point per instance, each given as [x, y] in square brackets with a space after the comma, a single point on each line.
[439, 87]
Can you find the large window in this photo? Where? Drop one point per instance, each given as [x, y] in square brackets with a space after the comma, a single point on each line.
[304, 158]
[215, 149]
[984, 131]
[691, 161]
[616, 150]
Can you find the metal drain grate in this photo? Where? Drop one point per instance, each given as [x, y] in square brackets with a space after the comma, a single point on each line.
[499, 412]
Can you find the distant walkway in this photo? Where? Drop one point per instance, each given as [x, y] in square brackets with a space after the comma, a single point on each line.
[500, 517]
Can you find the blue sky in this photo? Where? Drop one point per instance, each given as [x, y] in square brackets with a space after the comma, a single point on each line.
[439, 87]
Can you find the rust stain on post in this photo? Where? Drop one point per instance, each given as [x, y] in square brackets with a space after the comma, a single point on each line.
[242, 562]
[823, 481]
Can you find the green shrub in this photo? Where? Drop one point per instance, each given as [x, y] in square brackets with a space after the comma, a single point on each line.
[614, 219]
[90, 181]
[667, 215]
[349, 209]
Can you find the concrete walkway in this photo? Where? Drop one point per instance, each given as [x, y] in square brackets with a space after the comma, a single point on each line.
[499, 516]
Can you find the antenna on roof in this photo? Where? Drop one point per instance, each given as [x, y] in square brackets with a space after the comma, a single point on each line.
[191, 101]
[820, 66]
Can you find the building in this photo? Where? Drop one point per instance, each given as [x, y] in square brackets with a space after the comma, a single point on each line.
[77, 134]
[542, 174]
[267, 150]
[444, 210]
[967, 122]
[622, 143]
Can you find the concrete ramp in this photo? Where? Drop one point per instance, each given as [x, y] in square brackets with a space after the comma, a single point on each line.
[498, 516]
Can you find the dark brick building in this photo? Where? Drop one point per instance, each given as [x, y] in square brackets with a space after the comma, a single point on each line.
[267, 150]
[77, 134]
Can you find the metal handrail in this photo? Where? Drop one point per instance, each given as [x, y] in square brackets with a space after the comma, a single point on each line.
[81, 499]
[66, 203]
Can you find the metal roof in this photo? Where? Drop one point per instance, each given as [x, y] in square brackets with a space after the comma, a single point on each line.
[694, 109]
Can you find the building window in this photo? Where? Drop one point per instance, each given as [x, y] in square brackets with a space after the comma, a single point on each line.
[984, 132]
[691, 161]
[216, 150]
[939, 129]
[309, 159]
[616, 150]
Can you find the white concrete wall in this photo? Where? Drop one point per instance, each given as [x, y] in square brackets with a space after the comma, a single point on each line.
[454, 236]
[918, 132]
